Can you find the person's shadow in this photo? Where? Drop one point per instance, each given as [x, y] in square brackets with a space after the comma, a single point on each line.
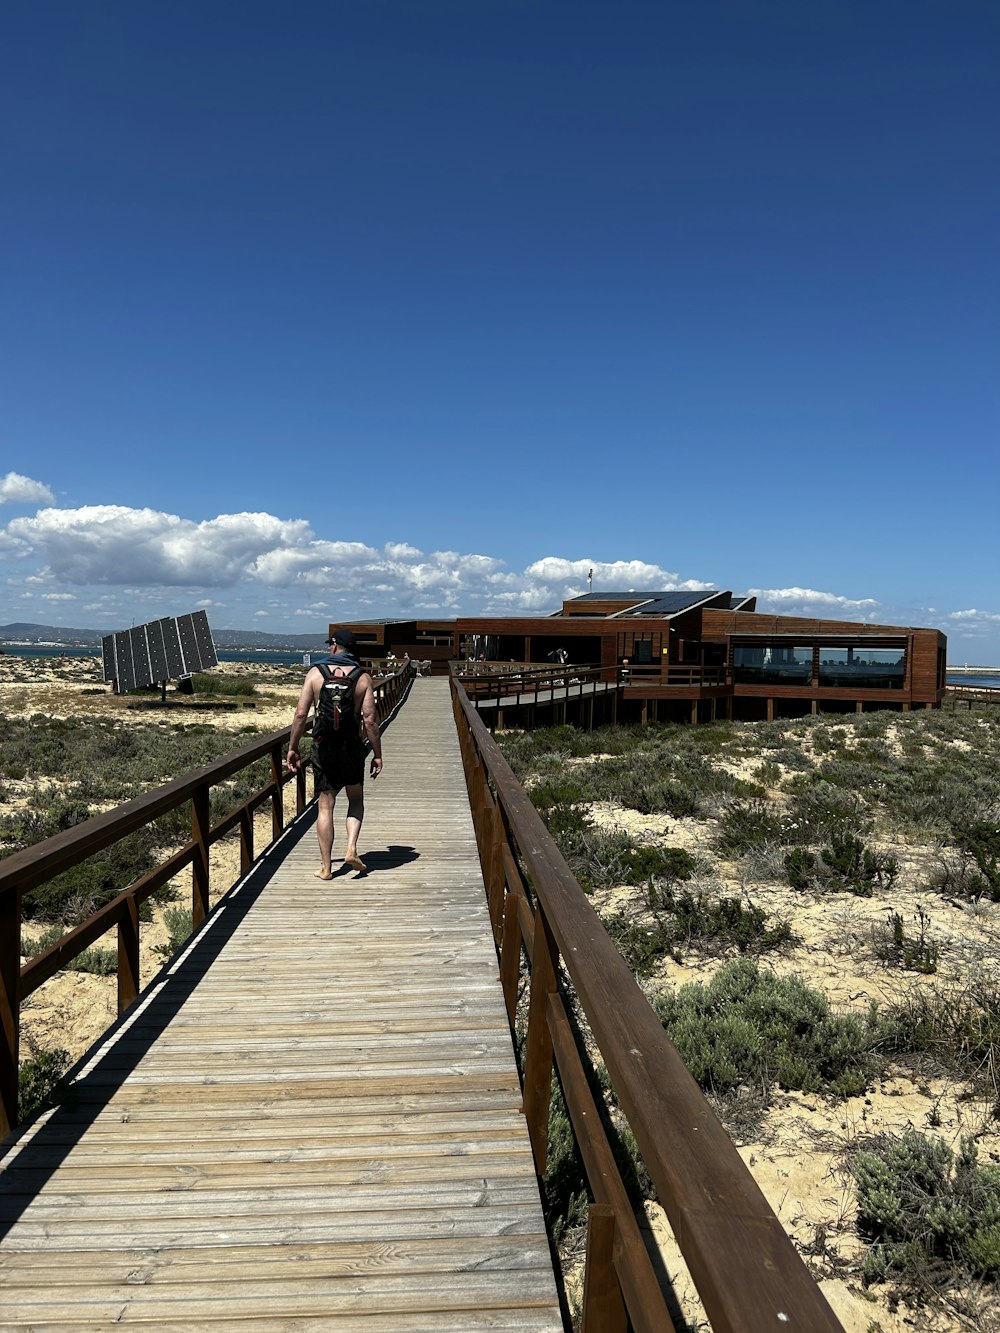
[388, 859]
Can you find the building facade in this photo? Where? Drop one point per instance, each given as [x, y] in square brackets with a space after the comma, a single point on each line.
[694, 656]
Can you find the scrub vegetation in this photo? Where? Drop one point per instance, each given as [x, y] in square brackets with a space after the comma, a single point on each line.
[59, 772]
[902, 809]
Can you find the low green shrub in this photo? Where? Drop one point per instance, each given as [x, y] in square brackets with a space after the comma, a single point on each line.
[97, 960]
[679, 918]
[748, 824]
[37, 1080]
[178, 923]
[239, 686]
[932, 1213]
[854, 866]
[818, 811]
[726, 922]
[648, 861]
[751, 1027]
[959, 1027]
[980, 841]
[801, 867]
[562, 790]
[642, 946]
[916, 953]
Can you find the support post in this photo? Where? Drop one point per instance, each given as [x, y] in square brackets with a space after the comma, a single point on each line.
[510, 955]
[277, 800]
[199, 866]
[603, 1306]
[246, 841]
[128, 955]
[494, 870]
[10, 1006]
[538, 1048]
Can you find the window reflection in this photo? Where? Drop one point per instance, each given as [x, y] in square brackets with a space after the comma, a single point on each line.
[861, 668]
[766, 665]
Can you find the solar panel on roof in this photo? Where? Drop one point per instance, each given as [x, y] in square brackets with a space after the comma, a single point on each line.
[670, 603]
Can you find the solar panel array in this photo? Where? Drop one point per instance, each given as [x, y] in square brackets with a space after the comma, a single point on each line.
[652, 603]
[158, 651]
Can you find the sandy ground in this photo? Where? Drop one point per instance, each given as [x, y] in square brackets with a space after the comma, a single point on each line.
[797, 1155]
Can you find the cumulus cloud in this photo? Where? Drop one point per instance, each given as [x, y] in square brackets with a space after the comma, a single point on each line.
[809, 602]
[261, 567]
[17, 489]
[972, 616]
[112, 544]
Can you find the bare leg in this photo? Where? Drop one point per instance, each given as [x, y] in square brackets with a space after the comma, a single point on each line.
[355, 815]
[324, 832]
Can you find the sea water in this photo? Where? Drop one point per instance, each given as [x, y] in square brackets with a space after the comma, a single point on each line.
[275, 656]
[296, 657]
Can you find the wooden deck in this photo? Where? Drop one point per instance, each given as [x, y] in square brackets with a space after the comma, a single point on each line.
[312, 1120]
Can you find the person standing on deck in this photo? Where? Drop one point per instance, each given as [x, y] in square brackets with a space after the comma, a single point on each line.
[343, 766]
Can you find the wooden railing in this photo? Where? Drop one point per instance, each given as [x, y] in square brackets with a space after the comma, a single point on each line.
[38, 864]
[746, 1270]
[487, 679]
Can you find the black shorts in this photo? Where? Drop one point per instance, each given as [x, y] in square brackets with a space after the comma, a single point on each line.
[340, 766]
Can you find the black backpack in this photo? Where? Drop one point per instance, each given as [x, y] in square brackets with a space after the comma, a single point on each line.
[336, 721]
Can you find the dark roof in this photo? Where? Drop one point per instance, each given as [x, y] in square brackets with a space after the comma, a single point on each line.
[670, 603]
[641, 603]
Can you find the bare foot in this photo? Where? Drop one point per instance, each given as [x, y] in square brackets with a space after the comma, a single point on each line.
[353, 860]
[323, 874]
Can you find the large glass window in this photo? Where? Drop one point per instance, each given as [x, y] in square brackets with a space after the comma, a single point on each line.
[862, 668]
[766, 664]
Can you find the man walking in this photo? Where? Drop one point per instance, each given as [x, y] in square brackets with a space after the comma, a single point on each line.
[338, 761]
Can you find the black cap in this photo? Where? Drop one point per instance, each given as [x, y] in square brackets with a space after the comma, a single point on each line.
[344, 638]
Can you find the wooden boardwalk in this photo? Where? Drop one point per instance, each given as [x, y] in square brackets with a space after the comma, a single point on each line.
[312, 1120]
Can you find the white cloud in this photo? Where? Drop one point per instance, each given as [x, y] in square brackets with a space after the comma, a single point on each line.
[257, 567]
[809, 602]
[616, 576]
[16, 489]
[972, 616]
[112, 544]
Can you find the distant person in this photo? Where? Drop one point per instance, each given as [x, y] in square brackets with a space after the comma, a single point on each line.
[338, 760]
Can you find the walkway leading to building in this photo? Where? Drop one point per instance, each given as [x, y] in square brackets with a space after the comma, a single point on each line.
[312, 1122]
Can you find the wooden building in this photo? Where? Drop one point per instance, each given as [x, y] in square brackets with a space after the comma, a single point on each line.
[695, 655]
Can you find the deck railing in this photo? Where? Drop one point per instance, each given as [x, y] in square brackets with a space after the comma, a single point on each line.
[746, 1270]
[38, 864]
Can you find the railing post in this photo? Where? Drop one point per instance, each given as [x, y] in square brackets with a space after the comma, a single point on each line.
[277, 800]
[246, 841]
[493, 867]
[603, 1306]
[128, 955]
[10, 1006]
[510, 955]
[200, 828]
[538, 1047]
[300, 791]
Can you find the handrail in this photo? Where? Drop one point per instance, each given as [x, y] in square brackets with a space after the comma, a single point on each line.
[746, 1270]
[38, 864]
[562, 682]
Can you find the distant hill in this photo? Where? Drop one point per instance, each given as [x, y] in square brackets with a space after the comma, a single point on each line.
[23, 632]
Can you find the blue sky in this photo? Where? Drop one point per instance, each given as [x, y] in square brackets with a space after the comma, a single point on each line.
[325, 310]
